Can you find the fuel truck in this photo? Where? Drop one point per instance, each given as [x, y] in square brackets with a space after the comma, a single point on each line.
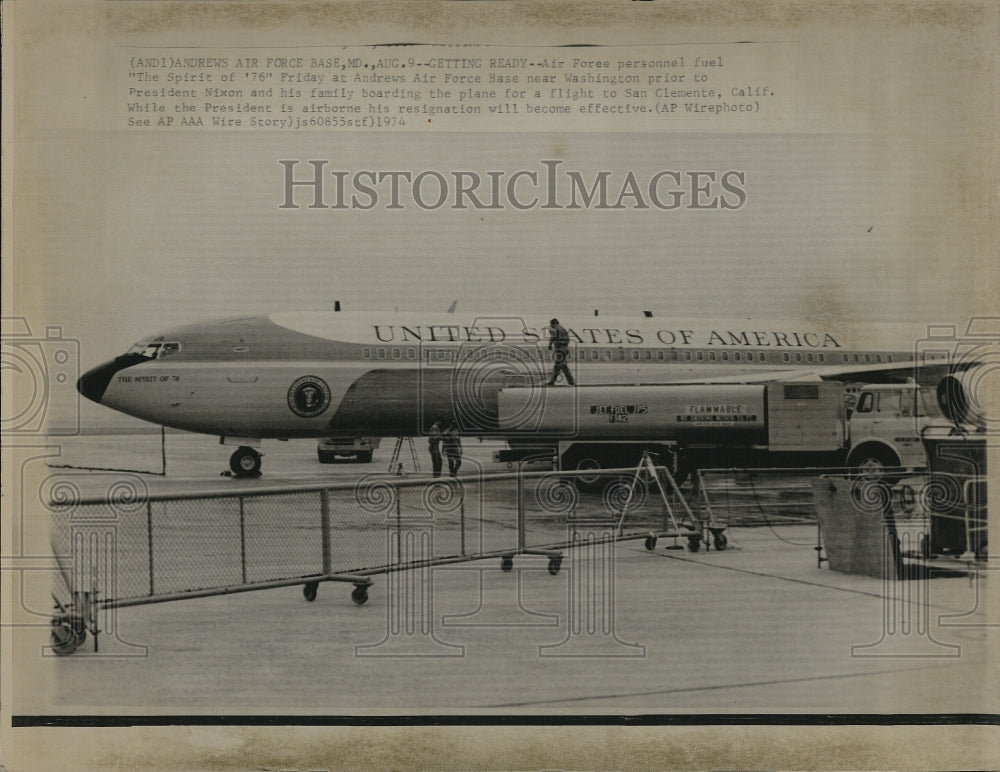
[790, 423]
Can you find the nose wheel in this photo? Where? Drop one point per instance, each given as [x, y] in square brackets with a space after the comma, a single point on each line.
[245, 462]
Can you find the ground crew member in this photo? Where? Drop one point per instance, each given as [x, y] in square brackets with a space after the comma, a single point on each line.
[451, 444]
[559, 346]
[434, 435]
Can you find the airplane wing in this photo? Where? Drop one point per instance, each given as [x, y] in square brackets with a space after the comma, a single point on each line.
[926, 374]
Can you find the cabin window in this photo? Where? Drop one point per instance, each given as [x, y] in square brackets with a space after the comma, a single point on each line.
[411, 353]
[699, 355]
[635, 355]
[809, 357]
[366, 352]
[760, 356]
[687, 356]
[595, 354]
[711, 355]
[845, 357]
[607, 354]
[648, 355]
[868, 358]
[878, 357]
[821, 357]
[659, 355]
[737, 357]
[158, 349]
[380, 353]
[725, 356]
[785, 356]
[857, 358]
[396, 353]
[888, 357]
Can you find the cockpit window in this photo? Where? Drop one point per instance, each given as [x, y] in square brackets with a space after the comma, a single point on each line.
[156, 349]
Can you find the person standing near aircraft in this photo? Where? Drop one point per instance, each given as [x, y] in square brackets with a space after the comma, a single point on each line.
[559, 346]
[451, 444]
[434, 436]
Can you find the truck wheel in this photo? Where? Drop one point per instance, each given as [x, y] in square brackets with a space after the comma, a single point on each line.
[872, 460]
[584, 462]
[245, 462]
[364, 457]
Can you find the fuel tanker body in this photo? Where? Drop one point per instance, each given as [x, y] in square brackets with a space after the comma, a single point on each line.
[774, 424]
[682, 413]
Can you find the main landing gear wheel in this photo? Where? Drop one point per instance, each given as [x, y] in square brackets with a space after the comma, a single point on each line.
[651, 543]
[719, 541]
[506, 563]
[309, 591]
[554, 565]
[359, 594]
[245, 462]
[694, 543]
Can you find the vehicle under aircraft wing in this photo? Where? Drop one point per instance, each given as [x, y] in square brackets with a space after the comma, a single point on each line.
[363, 374]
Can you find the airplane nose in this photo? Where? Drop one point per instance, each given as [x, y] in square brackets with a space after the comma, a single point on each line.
[94, 383]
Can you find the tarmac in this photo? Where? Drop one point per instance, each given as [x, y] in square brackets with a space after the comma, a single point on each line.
[756, 628]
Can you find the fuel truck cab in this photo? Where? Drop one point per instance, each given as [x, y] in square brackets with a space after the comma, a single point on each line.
[884, 427]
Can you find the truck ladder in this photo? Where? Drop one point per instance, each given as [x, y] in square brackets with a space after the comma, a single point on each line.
[694, 529]
[395, 465]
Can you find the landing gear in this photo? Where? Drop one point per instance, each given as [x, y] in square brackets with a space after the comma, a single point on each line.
[245, 462]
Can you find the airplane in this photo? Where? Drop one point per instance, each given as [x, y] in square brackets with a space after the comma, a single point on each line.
[337, 373]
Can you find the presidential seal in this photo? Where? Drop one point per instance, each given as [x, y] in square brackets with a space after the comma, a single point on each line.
[308, 396]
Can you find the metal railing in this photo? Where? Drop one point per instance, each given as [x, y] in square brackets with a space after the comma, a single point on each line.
[125, 550]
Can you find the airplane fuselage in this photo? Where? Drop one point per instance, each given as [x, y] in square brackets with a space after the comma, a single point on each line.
[317, 375]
